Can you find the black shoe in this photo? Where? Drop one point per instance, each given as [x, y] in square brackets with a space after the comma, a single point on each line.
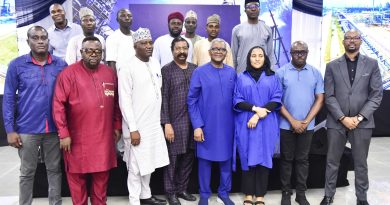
[327, 200]
[153, 201]
[186, 196]
[362, 202]
[173, 200]
[286, 198]
[301, 199]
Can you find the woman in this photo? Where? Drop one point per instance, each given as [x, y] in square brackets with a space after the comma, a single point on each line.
[257, 96]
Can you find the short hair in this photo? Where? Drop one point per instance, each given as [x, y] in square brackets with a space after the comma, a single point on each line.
[36, 28]
[352, 31]
[56, 4]
[217, 40]
[178, 39]
[301, 43]
[90, 38]
[121, 10]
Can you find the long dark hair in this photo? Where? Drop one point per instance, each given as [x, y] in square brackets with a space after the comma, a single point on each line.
[266, 66]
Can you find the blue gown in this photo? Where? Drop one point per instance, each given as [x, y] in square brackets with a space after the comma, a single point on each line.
[256, 146]
[210, 105]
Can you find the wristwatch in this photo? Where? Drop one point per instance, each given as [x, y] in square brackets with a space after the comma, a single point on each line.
[360, 118]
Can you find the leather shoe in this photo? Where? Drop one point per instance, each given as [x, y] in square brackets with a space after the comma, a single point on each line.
[286, 198]
[186, 196]
[153, 201]
[327, 200]
[173, 200]
[362, 202]
[302, 200]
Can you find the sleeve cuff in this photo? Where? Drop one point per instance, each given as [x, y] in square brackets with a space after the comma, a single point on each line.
[63, 133]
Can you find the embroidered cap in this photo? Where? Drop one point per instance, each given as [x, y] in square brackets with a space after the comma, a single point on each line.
[192, 14]
[142, 34]
[85, 12]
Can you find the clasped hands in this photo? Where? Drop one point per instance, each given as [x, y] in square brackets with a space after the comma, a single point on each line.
[350, 122]
[260, 113]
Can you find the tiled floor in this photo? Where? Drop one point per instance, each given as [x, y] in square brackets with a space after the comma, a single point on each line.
[379, 174]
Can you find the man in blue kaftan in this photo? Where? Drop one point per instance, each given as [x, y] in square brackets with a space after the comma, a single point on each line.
[210, 105]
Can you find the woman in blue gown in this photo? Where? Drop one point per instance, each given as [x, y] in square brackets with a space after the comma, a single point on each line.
[257, 98]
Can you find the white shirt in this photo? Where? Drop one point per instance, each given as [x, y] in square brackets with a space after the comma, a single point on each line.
[162, 49]
[75, 44]
[119, 47]
[139, 87]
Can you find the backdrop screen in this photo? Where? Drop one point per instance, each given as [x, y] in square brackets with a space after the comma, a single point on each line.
[371, 18]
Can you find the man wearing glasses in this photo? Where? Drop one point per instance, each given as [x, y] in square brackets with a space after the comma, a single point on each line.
[297, 122]
[353, 91]
[252, 33]
[86, 113]
[88, 24]
[210, 105]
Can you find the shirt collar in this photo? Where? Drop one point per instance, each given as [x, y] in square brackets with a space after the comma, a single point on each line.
[292, 67]
[31, 59]
[349, 60]
[68, 25]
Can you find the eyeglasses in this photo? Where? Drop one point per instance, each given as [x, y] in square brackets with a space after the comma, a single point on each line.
[298, 53]
[350, 38]
[252, 6]
[90, 51]
[214, 50]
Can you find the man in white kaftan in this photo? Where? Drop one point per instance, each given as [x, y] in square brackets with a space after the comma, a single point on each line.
[140, 84]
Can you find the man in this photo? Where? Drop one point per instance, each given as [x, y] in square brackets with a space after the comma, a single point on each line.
[140, 103]
[87, 115]
[254, 32]
[27, 116]
[297, 122]
[201, 49]
[61, 32]
[120, 44]
[88, 24]
[177, 126]
[353, 91]
[210, 105]
[190, 23]
[162, 49]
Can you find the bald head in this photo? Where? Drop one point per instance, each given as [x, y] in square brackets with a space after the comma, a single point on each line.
[31, 31]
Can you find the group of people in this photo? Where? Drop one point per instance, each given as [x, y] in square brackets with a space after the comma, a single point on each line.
[180, 98]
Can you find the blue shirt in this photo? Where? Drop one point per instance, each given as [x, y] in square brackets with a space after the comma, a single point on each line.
[32, 106]
[256, 146]
[59, 39]
[300, 88]
[210, 106]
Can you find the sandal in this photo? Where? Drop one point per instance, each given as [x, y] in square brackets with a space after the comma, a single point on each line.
[248, 202]
[259, 202]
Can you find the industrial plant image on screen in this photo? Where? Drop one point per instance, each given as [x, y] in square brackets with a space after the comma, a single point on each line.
[371, 18]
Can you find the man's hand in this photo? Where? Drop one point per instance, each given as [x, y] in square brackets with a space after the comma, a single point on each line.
[198, 135]
[169, 133]
[65, 143]
[299, 126]
[253, 121]
[135, 138]
[117, 135]
[14, 140]
[261, 112]
[349, 123]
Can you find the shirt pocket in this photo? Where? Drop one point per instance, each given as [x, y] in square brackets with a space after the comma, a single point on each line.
[30, 77]
[108, 89]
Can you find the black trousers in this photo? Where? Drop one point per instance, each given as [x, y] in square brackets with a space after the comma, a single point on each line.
[255, 181]
[294, 150]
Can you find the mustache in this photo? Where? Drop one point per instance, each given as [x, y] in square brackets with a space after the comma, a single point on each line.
[182, 55]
